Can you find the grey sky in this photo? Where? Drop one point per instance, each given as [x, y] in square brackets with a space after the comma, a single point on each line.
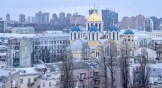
[123, 7]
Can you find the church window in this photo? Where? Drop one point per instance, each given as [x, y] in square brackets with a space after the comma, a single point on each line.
[78, 35]
[117, 35]
[88, 25]
[89, 36]
[92, 36]
[71, 36]
[113, 35]
[109, 35]
[91, 24]
[96, 25]
[97, 36]
[74, 35]
[100, 26]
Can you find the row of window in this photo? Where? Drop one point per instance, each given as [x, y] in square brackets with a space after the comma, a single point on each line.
[52, 42]
[51, 47]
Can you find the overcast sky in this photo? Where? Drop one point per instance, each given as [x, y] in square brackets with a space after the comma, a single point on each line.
[123, 7]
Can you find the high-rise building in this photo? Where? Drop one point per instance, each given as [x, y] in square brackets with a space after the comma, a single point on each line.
[91, 11]
[134, 22]
[149, 25]
[78, 19]
[124, 24]
[156, 22]
[62, 18]
[22, 18]
[3, 26]
[42, 18]
[54, 20]
[109, 17]
[68, 16]
[7, 17]
[140, 22]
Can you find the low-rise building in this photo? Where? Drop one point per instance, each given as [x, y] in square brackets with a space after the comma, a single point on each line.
[23, 30]
[9, 78]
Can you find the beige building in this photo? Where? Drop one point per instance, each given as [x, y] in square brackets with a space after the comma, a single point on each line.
[9, 78]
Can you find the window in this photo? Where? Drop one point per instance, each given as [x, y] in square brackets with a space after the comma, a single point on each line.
[35, 79]
[100, 27]
[113, 35]
[74, 35]
[91, 82]
[71, 36]
[21, 80]
[43, 84]
[92, 36]
[29, 80]
[49, 83]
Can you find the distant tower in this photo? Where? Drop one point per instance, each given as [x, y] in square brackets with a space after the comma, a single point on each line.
[62, 18]
[107, 16]
[149, 25]
[22, 18]
[7, 17]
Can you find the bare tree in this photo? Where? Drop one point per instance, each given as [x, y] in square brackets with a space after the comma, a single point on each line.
[85, 51]
[67, 71]
[110, 53]
[124, 66]
[141, 74]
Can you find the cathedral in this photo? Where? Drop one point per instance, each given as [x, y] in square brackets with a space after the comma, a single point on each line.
[95, 43]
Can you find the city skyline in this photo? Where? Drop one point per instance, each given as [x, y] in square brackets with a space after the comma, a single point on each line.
[124, 8]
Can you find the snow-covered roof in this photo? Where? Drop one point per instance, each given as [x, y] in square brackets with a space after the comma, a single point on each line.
[15, 35]
[7, 72]
[3, 47]
[27, 71]
[158, 65]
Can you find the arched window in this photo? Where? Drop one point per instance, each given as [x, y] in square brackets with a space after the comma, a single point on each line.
[74, 36]
[92, 36]
[97, 36]
[89, 37]
[88, 25]
[100, 26]
[96, 25]
[109, 35]
[117, 36]
[91, 24]
[78, 35]
[71, 36]
[113, 35]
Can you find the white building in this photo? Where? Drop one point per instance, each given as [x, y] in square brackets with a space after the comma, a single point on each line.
[23, 30]
[9, 78]
[28, 76]
[151, 53]
[23, 46]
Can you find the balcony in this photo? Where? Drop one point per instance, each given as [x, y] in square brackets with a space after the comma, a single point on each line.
[81, 78]
[96, 77]
[30, 84]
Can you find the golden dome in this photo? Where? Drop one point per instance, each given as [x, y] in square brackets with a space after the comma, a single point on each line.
[94, 17]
